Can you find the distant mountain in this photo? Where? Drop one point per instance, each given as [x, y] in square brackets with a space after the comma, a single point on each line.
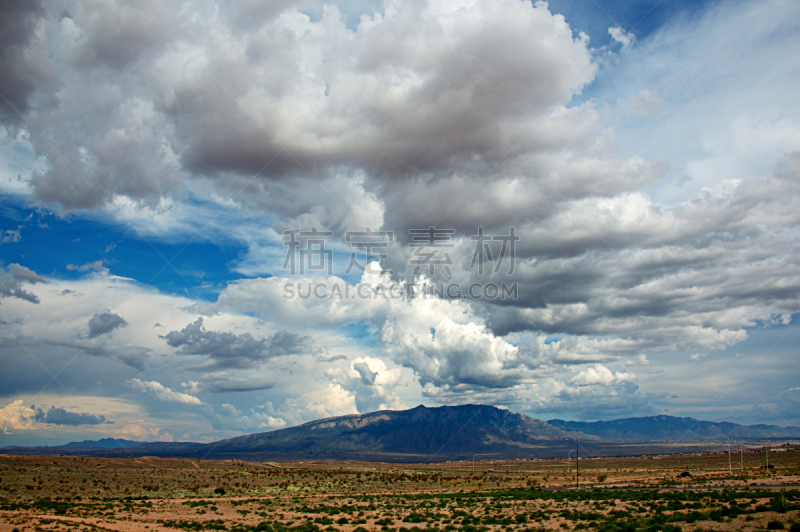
[660, 428]
[450, 430]
[437, 434]
[418, 434]
[110, 443]
[104, 443]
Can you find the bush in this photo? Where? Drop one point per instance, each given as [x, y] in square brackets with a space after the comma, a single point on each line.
[794, 527]
[219, 491]
[775, 525]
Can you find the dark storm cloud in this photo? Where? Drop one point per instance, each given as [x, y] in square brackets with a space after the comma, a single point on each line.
[21, 75]
[59, 416]
[116, 34]
[105, 323]
[229, 350]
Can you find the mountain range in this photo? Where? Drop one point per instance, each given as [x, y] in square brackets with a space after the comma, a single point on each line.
[665, 428]
[424, 434]
[106, 443]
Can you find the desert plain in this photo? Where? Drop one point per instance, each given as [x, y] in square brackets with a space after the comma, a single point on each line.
[717, 491]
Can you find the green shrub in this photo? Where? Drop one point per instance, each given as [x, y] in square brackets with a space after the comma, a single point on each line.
[775, 525]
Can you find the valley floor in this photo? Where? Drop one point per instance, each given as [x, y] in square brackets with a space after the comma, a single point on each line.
[617, 494]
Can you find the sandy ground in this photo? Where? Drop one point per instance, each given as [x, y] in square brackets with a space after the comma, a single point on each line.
[153, 494]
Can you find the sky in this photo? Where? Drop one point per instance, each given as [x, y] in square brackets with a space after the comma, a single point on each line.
[222, 218]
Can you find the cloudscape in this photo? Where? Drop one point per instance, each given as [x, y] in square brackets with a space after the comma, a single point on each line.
[222, 218]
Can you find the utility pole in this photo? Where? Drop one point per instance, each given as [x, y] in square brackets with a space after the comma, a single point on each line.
[730, 469]
[577, 467]
[766, 449]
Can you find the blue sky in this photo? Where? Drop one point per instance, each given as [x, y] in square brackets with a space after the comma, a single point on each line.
[645, 153]
[170, 266]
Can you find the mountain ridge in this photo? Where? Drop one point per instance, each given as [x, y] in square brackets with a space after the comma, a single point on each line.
[419, 430]
[664, 427]
[424, 434]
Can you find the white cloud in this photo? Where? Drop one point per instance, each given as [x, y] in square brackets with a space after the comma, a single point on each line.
[600, 374]
[11, 235]
[162, 392]
[625, 38]
[267, 421]
[640, 360]
[332, 400]
[137, 432]
[15, 417]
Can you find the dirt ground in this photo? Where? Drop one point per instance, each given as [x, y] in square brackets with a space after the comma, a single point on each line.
[616, 494]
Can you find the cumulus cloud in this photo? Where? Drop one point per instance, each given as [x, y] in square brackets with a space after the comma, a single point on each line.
[339, 110]
[12, 279]
[105, 323]
[15, 417]
[640, 360]
[367, 375]
[372, 382]
[600, 374]
[24, 71]
[332, 400]
[60, 416]
[462, 349]
[229, 350]
[161, 392]
[329, 400]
